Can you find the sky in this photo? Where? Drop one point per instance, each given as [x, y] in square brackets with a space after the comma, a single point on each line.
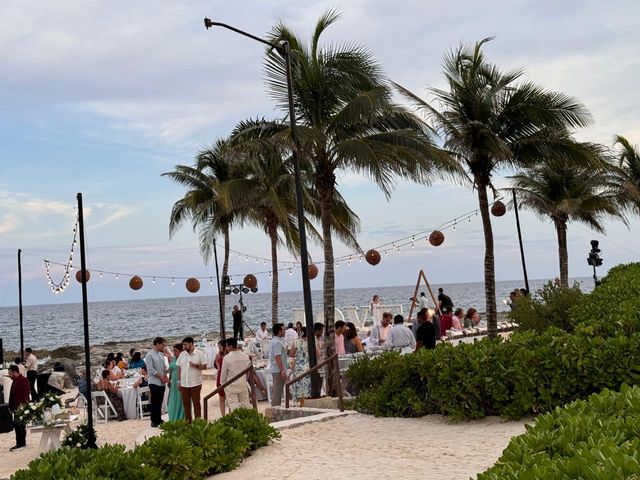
[103, 97]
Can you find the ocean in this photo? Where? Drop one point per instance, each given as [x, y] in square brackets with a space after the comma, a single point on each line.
[52, 326]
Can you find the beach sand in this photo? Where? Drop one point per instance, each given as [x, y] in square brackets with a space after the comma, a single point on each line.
[361, 446]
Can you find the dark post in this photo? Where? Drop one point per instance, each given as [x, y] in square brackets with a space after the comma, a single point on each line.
[20, 304]
[524, 264]
[215, 257]
[91, 441]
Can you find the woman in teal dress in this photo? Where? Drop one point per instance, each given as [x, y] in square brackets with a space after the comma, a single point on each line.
[300, 353]
[175, 408]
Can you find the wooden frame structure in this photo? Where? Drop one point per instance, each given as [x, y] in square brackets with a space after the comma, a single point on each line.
[421, 275]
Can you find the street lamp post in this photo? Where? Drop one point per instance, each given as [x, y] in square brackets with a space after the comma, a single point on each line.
[284, 49]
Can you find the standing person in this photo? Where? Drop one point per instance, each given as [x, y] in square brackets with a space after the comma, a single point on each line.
[238, 330]
[352, 343]
[446, 322]
[444, 301]
[31, 364]
[23, 370]
[235, 362]
[375, 310]
[158, 379]
[175, 408]
[277, 364]
[422, 301]
[191, 363]
[318, 332]
[262, 338]
[222, 351]
[300, 355]
[18, 396]
[290, 336]
[340, 327]
[426, 334]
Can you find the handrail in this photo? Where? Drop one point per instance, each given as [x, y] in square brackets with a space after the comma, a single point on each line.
[333, 358]
[229, 382]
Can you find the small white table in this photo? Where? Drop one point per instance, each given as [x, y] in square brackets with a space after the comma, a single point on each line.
[50, 439]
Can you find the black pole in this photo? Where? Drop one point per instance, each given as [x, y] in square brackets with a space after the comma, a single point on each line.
[215, 257]
[20, 304]
[91, 440]
[595, 277]
[524, 264]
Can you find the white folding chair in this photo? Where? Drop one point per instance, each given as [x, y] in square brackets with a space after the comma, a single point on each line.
[142, 402]
[104, 408]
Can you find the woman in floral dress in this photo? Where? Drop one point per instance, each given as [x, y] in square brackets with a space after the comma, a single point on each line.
[300, 355]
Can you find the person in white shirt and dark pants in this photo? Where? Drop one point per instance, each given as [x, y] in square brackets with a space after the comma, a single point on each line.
[191, 363]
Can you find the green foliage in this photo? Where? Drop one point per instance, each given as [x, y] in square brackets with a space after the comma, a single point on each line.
[594, 439]
[529, 374]
[79, 438]
[183, 451]
[613, 308]
[549, 307]
[257, 431]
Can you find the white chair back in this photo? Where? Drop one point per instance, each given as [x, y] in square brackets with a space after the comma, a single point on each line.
[103, 407]
[142, 402]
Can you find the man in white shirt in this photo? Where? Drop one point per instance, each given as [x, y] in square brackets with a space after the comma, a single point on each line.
[422, 302]
[400, 337]
[31, 364]
[379, 333]
[290, 336]
[277, 364]
[191, 363]
[262, 337]
[235, 362]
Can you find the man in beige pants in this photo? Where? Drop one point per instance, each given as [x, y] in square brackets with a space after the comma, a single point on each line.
[235, 362]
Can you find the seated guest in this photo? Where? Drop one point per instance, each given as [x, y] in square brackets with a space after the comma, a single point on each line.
[114, 372]
[136, 361]
[472, 318]
[426, 334]
[111, 390]
[21, 369]
[352, 343]
[456, 320]
[142, 381]
[121, 363]
[399, 336]
[379, 332]
[446, 321]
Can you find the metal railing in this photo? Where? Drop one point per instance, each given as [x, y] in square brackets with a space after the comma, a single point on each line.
[333, 358]
[251, 372]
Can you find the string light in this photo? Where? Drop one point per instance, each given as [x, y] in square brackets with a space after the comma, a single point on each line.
[173, 281]
[116, 276]
[59, 287]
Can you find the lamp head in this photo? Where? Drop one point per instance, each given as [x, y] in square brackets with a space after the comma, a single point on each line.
[208, 23]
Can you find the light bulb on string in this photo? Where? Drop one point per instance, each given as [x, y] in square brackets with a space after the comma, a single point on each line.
[173, 281]
[100, 274]
[210, 281]
[153, 280]
[264, 262]
[116, 276]
[290, 272]
[246, 259]
[469, 219]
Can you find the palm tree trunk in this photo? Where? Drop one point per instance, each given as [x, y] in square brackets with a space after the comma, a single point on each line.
[326, 202]
[273, 235]
[563, 256]
[489, 262]
[225, 271]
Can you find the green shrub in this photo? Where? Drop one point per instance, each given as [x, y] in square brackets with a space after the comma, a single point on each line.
[550, 307]
[528, 374]
[78, 438]
[613, 308]
[254, 425]
[594, 439]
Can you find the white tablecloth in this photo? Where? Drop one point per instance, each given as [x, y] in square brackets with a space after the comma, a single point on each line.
[130, 400]
[6, 384]
[264, 376]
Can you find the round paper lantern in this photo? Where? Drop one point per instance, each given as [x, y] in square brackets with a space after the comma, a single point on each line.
[372, 257]
[79, 275]
[135, 283]
[313, 271]
[498, 209]
[250, 281]
[193, 285]
[436, 238]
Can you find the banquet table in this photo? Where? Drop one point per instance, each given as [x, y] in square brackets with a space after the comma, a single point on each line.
[6, 384]
[264, 376]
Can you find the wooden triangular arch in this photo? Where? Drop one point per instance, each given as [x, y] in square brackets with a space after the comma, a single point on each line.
[422, 276]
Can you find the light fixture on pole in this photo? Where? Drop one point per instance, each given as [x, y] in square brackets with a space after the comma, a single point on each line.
[284, 49]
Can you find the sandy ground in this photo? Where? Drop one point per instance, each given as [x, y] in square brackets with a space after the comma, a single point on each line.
[359, 445]
[362, 446]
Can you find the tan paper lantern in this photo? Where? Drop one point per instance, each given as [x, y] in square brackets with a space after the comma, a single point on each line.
[372, 257]
[436, 238]
[135, 283]
[250, 281]
[193, 285]
[313, 271]
[79, 275]
[498, 209]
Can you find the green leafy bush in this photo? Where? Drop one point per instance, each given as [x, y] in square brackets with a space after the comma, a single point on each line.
[183, 451]
[528, 374]
[252, 423]
[78, 438]
[594, 439]
[549, 307]
[613, 308]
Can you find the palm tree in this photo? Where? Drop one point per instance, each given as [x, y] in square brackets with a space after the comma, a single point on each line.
[488, 121]
[202, 204]
[628, 174]
[565, 192]
[347, 121]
